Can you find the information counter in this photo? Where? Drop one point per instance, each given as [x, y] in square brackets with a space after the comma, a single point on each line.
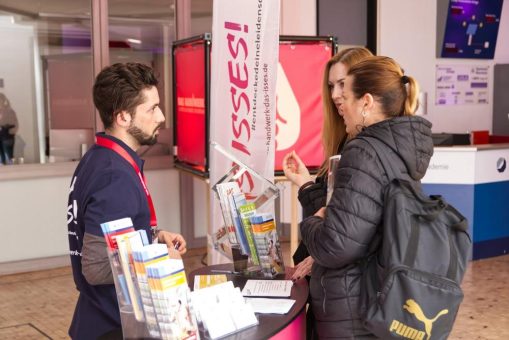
[271, 326]
[475, 179]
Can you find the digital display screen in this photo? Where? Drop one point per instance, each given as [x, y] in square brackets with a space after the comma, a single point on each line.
[190, 106]
[471, 29]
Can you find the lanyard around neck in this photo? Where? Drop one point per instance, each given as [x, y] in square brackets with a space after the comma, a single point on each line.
[108, 143]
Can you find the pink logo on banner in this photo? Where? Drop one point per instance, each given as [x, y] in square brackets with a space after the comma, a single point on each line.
[239, 80]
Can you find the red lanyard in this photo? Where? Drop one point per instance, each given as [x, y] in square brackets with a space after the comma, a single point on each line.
[108, 143]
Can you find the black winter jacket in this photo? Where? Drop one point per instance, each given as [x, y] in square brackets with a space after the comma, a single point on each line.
[340, 240]
[311, 199]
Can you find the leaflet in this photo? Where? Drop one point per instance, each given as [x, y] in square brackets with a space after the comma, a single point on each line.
[222, 309]
[170, 295]
[204, 281]
[267, 306]
[267, 244]
[268, 288]
[127, 243]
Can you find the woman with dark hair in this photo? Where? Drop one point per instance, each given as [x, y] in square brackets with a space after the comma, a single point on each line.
[378, 101]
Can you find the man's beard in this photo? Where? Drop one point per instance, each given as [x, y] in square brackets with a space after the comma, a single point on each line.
[142, 137]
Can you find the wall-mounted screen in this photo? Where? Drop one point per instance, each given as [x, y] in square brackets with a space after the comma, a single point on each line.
[190, 114]
[471, 29]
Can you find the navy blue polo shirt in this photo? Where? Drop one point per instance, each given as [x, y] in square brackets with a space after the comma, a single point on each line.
[104, 187]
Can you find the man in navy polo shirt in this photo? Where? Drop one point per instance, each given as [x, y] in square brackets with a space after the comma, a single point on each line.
[109, 185]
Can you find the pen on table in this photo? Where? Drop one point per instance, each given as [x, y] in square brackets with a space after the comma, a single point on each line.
[223, 271]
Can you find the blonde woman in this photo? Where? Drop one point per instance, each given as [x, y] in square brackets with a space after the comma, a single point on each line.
[312, 193]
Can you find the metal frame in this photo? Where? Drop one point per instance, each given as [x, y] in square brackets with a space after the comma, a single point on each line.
[205, 39]
[306, 40]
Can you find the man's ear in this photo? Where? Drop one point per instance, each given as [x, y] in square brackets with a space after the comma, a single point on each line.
[123, 118]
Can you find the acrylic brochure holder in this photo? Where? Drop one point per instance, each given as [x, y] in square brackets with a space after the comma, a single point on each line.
[249, 235]
[132, 325]
[151, 285]
[156, 312]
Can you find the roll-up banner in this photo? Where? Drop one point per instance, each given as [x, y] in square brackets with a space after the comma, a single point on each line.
[245, 47]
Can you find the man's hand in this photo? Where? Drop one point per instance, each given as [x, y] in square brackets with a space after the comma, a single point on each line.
[173, 241]
[303, 268]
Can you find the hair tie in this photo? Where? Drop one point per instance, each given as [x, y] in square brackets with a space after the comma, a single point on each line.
[404, 80]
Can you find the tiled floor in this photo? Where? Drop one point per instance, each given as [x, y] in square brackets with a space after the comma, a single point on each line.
[39, 305]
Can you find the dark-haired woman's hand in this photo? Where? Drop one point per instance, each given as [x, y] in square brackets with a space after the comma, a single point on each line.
[303, 268]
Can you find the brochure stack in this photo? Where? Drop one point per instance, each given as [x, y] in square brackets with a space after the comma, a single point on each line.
[170, 296]
[267, 244]
[222, 310]
[152, 290]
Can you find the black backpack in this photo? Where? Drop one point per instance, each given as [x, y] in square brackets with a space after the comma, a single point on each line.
[411, 279]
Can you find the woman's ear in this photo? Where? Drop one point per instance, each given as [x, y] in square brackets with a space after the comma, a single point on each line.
[369, 101]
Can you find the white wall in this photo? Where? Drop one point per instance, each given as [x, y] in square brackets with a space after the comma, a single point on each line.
[33, 213]
[164, 188]
[201, 200]
[407, 33]
[298, 17]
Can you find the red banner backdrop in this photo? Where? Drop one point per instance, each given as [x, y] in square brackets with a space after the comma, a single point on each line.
[300, 112]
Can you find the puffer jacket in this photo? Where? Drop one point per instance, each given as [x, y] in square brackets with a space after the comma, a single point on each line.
[341, 240]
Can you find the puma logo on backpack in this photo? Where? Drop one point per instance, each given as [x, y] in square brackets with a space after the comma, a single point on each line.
[411, 279]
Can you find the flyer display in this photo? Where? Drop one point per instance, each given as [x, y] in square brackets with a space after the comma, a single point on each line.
[249, 235]
[153, 295]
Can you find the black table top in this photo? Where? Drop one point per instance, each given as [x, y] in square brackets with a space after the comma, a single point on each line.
[269, 324]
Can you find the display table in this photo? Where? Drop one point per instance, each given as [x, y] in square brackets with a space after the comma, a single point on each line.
[271, 326]
[475, 179]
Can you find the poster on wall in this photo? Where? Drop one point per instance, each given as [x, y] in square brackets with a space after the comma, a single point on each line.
[462, 84]
[471, 29]
[299, 117]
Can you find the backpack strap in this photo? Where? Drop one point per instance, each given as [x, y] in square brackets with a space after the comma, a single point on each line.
[385, 155]
[392, 173]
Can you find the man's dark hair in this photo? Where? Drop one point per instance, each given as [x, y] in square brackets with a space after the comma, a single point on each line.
[118, 88]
